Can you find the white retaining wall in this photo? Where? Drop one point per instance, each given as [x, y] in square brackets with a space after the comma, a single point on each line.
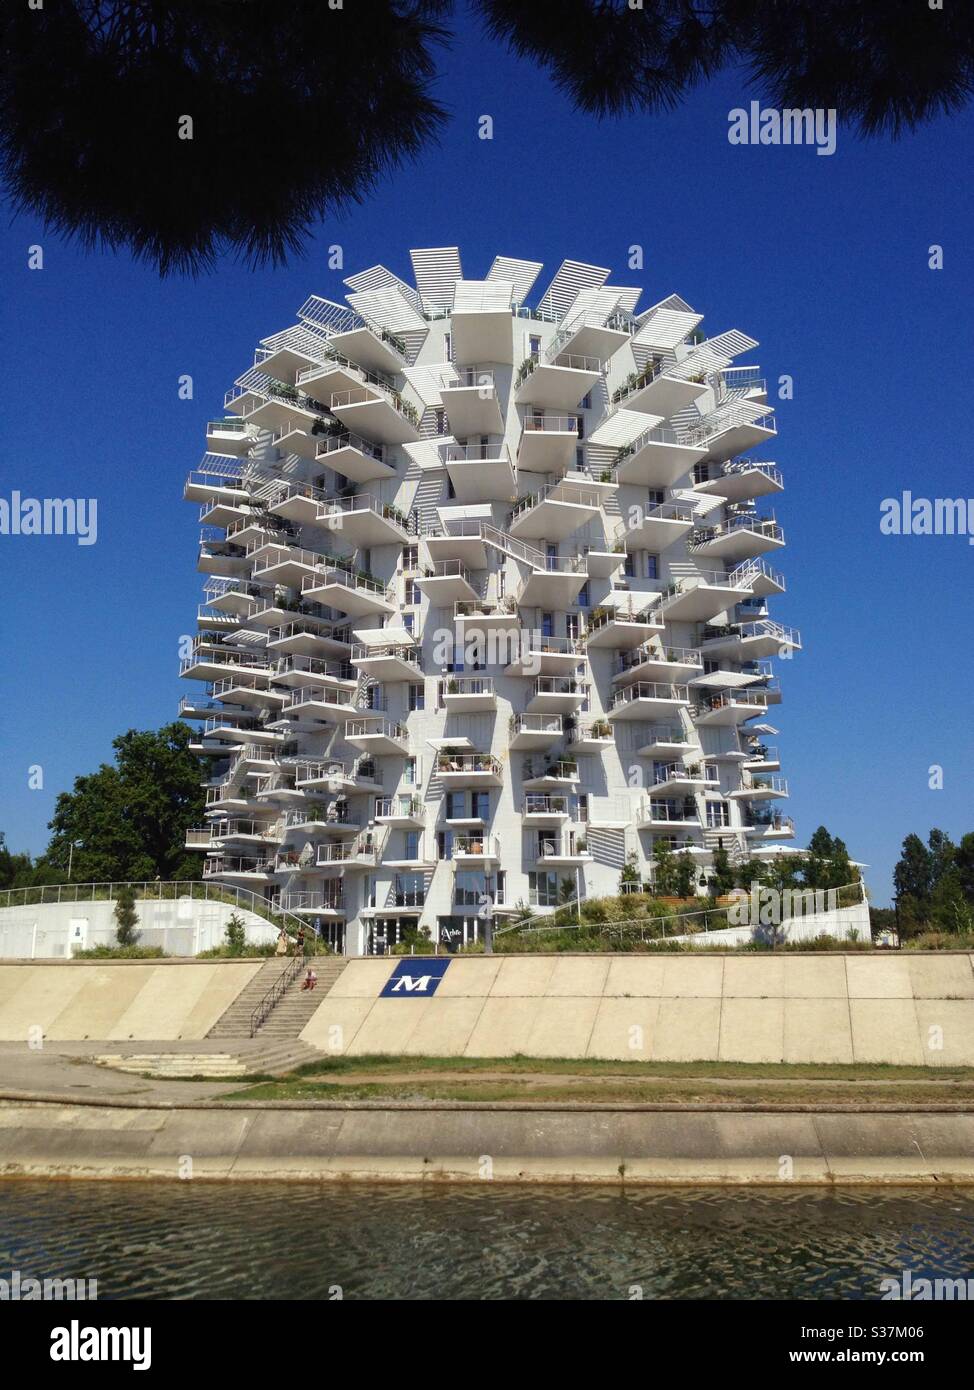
[180, 926]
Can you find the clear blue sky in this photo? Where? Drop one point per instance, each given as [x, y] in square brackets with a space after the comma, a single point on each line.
[824, 260]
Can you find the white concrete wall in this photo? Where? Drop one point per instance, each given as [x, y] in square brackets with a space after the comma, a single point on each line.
[845, 923]
[182, 927]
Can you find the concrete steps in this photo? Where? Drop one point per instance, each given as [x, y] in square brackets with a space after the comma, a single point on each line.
[274, 1057]
[235, 1023]
[292, 1010]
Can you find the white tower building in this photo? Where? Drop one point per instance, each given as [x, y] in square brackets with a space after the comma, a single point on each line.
[486, 608]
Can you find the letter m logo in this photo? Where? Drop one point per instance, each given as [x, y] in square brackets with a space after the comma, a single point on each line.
[415, 977]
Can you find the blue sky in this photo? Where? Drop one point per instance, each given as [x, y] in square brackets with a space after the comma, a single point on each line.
[823, 259]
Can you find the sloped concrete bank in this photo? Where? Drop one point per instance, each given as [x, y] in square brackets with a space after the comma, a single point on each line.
[462, 1142]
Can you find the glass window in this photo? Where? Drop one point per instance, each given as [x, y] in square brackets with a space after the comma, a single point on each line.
[534, 344]
[583, 599]
[412, 844]
[409, 772]
[417, 697]
[652, 567]
[468, 888]
[547, 625]
[543, 890]
[480, 805]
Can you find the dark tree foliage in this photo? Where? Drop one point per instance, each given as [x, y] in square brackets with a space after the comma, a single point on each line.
[297, 109]
[129, 820]
[885, 67]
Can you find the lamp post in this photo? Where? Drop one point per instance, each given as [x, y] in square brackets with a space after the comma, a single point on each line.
[71, 846]
[486, 916]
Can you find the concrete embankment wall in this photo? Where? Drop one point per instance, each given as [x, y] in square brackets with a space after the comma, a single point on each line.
[844, 923]
[842, 1007]
[278, 1143]
[117, 1000]
[180, 926]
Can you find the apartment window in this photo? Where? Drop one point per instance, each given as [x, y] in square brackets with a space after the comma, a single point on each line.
[586, 706]
[448, 347]
[410, 592]
[580, 426]
[701, 472]
[551, 553]
[652, 566]
[501, 892]
[409, 621]
[586, 401]
[480, 805]
[441, 422]
[718, 814]
[410, 557]
[373, 697]
[583, 806]
[580, 460]
[655, 496]
[450, 489]
[710, 666]
[547, 625]
[444, 844]
[543, 890]
[534, 344]
[370, 892]
[409, 772]
[547, 843]
[468, 888]
[410, 890]
[417, 697]
[573, 624]
[411, 839]
[629, 569]
[583, 599]
[456, 805]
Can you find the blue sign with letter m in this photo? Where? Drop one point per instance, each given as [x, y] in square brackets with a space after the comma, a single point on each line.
[415, 978]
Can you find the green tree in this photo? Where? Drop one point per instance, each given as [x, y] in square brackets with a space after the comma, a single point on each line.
[16, 870]
[964, 865]
[235, 933]
[129, 820]
[724, 876]
[913, 875]
[126, 917]
[826, 862]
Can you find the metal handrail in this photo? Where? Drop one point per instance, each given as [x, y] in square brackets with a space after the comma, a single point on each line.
[278, 989]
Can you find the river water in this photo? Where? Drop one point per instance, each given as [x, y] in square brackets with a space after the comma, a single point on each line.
[257, 1241]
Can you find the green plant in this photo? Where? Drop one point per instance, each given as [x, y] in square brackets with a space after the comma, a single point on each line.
[126, 917]
[235, 933]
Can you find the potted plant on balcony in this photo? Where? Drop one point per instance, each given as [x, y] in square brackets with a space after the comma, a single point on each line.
[601, 728]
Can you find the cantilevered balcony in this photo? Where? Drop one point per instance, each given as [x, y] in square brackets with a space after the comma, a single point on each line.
[535, 731]
[324, 379]
[481, 620]
[738, 480]
[217, 477]
[354, 594]
[277, 562]
[378, 351]
[481, 323]
[760, 579]
[219, 556]
[665, 741]
[315, 902]
[207, 662]
[553, 583]
[538, 655]
[325, 818]
[381, 416]
[655, 662]
[593, 334]
[468, 694]
[295, 669]
[657, 528]
[622, 628]
[750, 641]
[230, 436]
[591, 737]
[461, 769]
[330, 704]
[697, 598]
[240, 689]
[656, 458]
[682, 779]
[660, 388]
[403, 812]
[446, 582]
[761, 758]
[768, 825]
[557, 382]
[541, 809]
[554, 775]
[459, 538]
[477, 851]
[761, 788]
[731, 707]
[300, 638]
[377, 736]
[648, 700]
[388, 663]
[555, 511]
[237, 869]
[602, 563]
[739, 538]
[556, 695]
[472, 404]
[656, 813]
[279, 408]
[360, 460]
[362, 521]
[564, 851]
[480, 472]
[334, 775]
[296, 501]
[346, 856]
[731, 429]
[548, 443]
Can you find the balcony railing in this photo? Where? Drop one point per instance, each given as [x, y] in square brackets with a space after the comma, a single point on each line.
[554, 424]
[679, 813]
[467, 685]
[650, 690]
[333, 508]
[313, 902]
[569, 493]
[536, 724]
[536, 804]
[403, 807]
[348, 440]
[602, 617]
[731, 699]
[335, 574]
[406, 654]
[558, 685]
[467, 762]
[667, 656]
[323, 695]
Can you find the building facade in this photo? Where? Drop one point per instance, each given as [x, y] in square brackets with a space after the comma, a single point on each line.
[486, 603]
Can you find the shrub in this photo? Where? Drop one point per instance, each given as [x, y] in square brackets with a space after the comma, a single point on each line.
[126, 917]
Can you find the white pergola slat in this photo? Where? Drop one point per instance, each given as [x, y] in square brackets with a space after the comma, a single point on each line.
[436, 269]
[622, 427]
[571, 278]
[388, 308]
[476, 296]
[429, 381]
[666, 327]
[378, 277]
[521, 274]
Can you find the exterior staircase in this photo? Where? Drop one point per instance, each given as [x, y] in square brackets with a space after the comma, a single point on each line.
[292, 1010]
[731, 840]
